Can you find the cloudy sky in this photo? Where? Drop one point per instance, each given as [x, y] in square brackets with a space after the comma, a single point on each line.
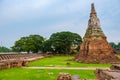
[20, 18]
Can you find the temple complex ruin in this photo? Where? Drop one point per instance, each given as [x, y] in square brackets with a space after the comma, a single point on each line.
[95, 48]
[17, 60]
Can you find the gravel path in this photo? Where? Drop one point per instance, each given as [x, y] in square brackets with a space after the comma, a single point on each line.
[74, 68]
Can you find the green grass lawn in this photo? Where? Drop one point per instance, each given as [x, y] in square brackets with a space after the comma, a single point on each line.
[49, 74]
[62, 60]
[41, 74]
[119, 56]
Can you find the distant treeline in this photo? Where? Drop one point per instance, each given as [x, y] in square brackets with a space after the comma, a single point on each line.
[116, 47]
[60, 42]
[4, 49]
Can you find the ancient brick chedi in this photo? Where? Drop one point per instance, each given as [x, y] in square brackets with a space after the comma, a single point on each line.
[95, 48]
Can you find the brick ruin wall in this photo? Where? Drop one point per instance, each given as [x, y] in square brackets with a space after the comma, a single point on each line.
[108, 74]
[17, 60]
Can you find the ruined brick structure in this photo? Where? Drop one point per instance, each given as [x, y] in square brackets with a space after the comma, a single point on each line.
[64, 76]
[108, 74]
[67, 76]
[95, 48]
[17, 60]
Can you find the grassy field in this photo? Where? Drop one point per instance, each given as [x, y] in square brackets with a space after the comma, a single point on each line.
[41, 74]
[119, 56]
[49, 74]
[62, 60]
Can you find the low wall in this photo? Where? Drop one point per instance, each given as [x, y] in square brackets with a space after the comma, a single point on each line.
[17, 60]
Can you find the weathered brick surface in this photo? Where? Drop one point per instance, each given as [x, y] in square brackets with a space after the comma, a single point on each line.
[115, 67]
[95, 48]
[64, 76]
[17, 60]
[107, 74]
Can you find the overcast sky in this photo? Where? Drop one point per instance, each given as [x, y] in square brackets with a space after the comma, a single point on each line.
[20, 18]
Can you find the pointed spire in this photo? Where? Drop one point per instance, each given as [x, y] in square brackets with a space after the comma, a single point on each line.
[94, 28]
[93, 8]
[93, 12]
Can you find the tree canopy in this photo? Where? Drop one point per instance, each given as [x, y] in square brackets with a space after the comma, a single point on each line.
[60, 42]
[31, 43]
[114, 45]
[4, 49]
[118, 45]
[63, 42]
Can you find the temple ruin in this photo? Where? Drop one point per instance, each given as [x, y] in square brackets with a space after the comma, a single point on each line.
[108, 74]
[17, 60]
[95, 48]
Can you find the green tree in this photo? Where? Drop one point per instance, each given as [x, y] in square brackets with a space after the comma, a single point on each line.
[31, 43]
[118, 45]
[64, 42]
[4, 49]
[37, 42]
[47, 46]
[113, 45]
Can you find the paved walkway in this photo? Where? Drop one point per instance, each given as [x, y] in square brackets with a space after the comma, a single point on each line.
[74, 68]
